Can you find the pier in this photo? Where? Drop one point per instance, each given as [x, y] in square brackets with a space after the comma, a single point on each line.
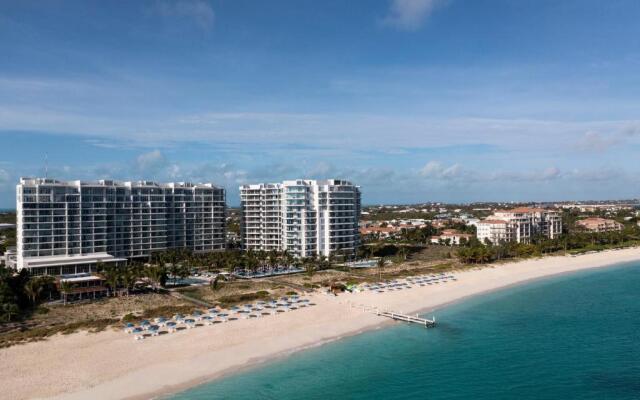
[412, 319]
[396, 316]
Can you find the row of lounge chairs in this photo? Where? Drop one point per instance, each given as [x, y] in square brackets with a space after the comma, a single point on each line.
[401, 284]
[213, 316]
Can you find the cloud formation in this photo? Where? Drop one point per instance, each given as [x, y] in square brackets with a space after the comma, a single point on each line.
[593, 141]
[150, 162]
[435, 170]
[410, 14]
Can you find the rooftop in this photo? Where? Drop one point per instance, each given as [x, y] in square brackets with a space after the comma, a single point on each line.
[55, 261]
[28, 181]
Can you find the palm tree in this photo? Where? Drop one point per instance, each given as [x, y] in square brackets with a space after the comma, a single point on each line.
[214, 283]
[129, 278]
[288, 258]
[273, 259]
[99, 266]
[33, 288]
[112, 277]
[323, 263]
[310, 268]
[156, 275]
[174, 270]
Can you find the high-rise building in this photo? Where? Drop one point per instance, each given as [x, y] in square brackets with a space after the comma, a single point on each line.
[68, 227]
[303, 217]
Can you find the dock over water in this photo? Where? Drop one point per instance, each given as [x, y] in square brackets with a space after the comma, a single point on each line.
[412, 319]
[397, 316]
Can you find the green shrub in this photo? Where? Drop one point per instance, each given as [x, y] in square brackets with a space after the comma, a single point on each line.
[129, 318]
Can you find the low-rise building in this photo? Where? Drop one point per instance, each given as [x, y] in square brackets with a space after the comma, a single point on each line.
[599, 225]
[520, 225]
[10, 258]
[450, 237]
[7, 226]
[81, 286]
[379, 231]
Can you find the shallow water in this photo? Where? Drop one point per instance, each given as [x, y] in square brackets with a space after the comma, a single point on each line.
[571, 337]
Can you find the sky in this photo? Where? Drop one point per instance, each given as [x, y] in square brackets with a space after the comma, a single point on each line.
[413, 100]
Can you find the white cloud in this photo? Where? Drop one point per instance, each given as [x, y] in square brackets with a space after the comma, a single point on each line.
[435, 170]
[595, 142]
[199, 11]
[410, 14]
[152, 161]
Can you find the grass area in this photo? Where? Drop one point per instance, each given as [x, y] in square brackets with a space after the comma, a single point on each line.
[236, 292]
[21, 336]
[433, 253]
[227, 301]
[603, 247]
[94, 316]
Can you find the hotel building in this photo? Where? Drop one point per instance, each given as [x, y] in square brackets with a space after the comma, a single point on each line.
[600, 225]
[304, 217]
[69, 227]
[519, 225]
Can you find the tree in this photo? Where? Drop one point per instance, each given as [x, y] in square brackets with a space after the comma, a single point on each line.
[310, 269]
[157, 275]
[214, 283]
[112, 277]
[174, 271]
[33, 288]
[8, 297]
[381, 264]
[10, 310]
[129, 278]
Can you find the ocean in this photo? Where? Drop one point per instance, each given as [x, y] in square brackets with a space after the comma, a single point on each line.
[575, 336]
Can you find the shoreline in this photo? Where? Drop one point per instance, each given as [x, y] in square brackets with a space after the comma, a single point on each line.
[111, 365]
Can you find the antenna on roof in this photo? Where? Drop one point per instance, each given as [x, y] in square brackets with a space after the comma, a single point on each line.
[46, 166]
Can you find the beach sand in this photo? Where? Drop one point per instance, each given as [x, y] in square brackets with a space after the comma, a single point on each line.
[111, 365]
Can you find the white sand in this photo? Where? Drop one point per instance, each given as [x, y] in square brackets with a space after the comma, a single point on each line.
[111, 365]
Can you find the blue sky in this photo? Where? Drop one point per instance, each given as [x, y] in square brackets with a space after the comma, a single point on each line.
[415, 100]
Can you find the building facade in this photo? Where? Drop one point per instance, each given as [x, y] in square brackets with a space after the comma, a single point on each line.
[495, 231]
[451, 237]
[519, 225]
[68, 227]
[303, 217]
[600, 225]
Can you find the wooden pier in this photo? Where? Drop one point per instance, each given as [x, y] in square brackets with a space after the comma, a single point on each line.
[412, 319]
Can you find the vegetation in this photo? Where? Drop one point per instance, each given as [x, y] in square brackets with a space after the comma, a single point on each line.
[42, 332]
[226, 301]
[573, 241]
[20, 294]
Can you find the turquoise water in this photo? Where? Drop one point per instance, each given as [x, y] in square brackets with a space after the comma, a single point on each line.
[572, 337]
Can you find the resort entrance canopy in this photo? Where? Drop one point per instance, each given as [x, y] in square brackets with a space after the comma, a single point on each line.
[60, 265]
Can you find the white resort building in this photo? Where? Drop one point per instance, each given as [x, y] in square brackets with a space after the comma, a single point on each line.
[519, 225]
[69, 227]
[304, 217]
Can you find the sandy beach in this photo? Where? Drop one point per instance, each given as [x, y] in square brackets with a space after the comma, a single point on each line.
[111, 365]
